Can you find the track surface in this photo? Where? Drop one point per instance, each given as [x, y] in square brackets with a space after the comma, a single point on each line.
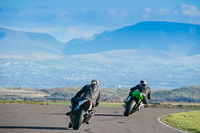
[24, 118]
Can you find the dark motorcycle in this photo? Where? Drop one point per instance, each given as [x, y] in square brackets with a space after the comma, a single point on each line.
[134, 103]
[82, 114]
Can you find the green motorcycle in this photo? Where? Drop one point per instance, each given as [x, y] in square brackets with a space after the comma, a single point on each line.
[134, 103]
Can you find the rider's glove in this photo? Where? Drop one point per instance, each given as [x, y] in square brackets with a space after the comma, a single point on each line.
[97, 103]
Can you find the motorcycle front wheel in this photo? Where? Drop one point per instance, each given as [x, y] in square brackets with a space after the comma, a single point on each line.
[79, 120]
[129, 107]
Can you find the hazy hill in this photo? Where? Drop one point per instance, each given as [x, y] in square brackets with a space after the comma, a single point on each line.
[156, 37]
[165, 36]
[189, 94]
[20, 43]
[184, 94]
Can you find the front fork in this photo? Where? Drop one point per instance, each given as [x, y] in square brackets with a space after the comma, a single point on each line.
[137, 107]
[127, 100]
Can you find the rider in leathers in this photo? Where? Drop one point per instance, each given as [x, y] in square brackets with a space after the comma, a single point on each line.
[144, 89]
[90, 91]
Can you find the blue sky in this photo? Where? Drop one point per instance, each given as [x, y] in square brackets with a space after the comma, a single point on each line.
[68, 19]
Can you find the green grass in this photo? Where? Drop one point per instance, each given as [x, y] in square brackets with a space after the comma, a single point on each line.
[37, 102]
[22, 102]
[58, 103]
[187, 121]
[104, 104]
[67, 103]
[191, 106]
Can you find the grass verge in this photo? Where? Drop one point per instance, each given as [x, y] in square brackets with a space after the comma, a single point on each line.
[66, 103]
[187, 121]
[22, 102]
[171, 105]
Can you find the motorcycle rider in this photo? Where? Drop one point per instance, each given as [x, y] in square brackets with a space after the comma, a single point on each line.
[144, 89]
[90, 91]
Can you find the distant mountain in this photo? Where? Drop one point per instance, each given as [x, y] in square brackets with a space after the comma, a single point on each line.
[19, 44]
[172, 37]
[157, 37]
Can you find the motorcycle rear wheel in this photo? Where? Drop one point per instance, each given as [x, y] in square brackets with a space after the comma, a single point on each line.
[79, 120]
[129, 107]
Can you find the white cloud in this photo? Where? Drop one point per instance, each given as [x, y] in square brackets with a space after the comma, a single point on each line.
[145, 13]
[190, 10]
[123, 14]
[111, 12]
[162, 11]
[84, 30]
[79, 31]
[63, 14]
[148, 10]
[118, 13]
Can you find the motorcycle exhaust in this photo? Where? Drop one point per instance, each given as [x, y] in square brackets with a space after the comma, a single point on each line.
[88, 116]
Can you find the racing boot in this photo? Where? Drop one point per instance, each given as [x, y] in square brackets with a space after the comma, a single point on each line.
[70, 125]
[68, 113]
[146, 105]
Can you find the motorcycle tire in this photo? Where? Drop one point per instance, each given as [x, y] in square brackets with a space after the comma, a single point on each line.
[79, 120]
[129, 107]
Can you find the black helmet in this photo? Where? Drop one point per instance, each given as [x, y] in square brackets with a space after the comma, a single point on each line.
[143, 82]
[95, 82]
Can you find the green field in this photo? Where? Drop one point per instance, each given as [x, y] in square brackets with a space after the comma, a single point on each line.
[187, 121]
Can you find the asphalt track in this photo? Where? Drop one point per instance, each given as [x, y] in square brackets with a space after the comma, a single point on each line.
[24, 118]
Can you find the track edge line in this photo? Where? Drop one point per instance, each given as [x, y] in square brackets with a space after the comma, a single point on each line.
[159, 120]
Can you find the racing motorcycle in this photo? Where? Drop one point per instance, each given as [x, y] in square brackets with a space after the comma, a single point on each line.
[134, 103]
[83, 112]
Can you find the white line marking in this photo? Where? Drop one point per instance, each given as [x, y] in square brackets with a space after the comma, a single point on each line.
[159, 120]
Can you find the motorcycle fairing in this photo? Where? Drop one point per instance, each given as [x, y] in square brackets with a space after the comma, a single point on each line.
[137, 94]
[82, 102]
